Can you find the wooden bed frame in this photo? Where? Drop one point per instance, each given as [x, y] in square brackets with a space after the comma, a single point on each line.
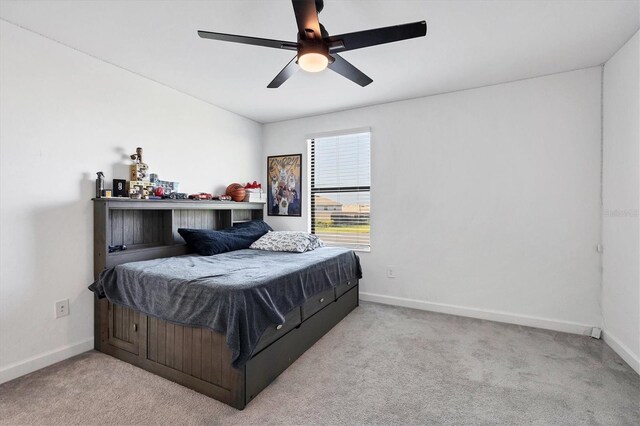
[195, 357]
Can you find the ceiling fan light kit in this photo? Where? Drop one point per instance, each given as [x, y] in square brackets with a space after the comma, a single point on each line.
[316, 50]
[313, 62]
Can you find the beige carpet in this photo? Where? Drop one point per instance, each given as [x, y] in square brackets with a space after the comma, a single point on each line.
[381, 365]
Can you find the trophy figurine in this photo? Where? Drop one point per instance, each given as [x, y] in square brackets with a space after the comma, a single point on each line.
[139, 177]
[139, 169]
[137, 157]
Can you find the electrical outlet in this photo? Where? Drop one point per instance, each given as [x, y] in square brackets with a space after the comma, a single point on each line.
[62, 308]
[391, 272]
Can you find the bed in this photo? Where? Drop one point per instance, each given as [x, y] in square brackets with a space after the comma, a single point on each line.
[224, 325]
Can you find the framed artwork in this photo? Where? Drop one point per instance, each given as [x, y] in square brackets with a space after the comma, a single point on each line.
[284, 185]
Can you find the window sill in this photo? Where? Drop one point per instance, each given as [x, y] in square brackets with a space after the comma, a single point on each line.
[361, 250]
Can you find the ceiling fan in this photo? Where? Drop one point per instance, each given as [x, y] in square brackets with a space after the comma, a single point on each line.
[316, 50]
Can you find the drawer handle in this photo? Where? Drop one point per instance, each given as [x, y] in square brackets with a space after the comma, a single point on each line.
[135, 327]
[348, 282]
[278, 327]
[322, 300]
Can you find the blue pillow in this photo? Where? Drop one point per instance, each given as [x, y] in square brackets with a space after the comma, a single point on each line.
[254, 225]
[207, 242]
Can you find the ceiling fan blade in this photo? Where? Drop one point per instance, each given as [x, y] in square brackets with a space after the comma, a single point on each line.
[360, 39]
[345, 69]
[284, 75]
[265, 42]
[307, 17]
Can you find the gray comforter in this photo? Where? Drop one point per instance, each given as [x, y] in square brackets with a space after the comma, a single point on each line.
[238, 294]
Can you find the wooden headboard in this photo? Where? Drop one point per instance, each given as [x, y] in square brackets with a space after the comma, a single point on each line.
[149, 228]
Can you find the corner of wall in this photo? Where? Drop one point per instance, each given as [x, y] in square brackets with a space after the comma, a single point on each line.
[620, 276]
[623, 351]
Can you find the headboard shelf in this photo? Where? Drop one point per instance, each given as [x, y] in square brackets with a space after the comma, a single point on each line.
[149, 228]
[120, 257]
[168, 204]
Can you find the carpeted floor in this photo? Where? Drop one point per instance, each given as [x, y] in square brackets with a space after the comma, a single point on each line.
[381, 365]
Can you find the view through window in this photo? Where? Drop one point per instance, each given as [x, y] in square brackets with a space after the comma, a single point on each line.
[340, 190]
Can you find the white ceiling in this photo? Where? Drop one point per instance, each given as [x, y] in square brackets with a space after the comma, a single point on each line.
[469, 43]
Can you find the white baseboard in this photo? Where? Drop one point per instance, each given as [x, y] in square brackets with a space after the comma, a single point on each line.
[486, 314]
[30, 365]
[624, 352]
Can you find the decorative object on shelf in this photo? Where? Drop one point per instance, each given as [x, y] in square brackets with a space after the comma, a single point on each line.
[168, 186]
[178, 196]
[236, 192]
[255, 197]
[201, 196]
[119, 188]
[106, 193]
[99, 184]
[119, 247]
[159, 191]
[284, 185]
[222, 197]
[139, 186]
[140, 189]
[139, 170]
[137, 157]
[255, 193]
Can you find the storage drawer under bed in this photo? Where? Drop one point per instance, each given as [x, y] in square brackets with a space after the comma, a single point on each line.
[274, 332]
[317, 302]
[345, 286]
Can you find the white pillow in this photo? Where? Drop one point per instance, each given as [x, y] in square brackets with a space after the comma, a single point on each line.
[293, 241]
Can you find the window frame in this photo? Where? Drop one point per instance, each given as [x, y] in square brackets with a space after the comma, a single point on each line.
[311, 179]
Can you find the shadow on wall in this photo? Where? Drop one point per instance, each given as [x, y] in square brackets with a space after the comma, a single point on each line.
[119, 170]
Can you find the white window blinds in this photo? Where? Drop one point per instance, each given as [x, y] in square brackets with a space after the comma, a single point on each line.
[340, 190]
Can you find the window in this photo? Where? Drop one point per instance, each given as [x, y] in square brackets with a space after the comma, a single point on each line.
[340, 190]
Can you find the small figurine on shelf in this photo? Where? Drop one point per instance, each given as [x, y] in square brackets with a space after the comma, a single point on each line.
[139, 169]
[137, 157]
[177, 196]
[201, 196]
[139, 185]
[168, 186]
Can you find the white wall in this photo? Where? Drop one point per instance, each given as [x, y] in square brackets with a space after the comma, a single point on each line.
[63, 117]
[621, 203]
[486, 201]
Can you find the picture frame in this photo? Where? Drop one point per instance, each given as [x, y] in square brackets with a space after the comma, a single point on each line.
[284, 185]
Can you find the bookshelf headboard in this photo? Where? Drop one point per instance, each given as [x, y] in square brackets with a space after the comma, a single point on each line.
[149, 228]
